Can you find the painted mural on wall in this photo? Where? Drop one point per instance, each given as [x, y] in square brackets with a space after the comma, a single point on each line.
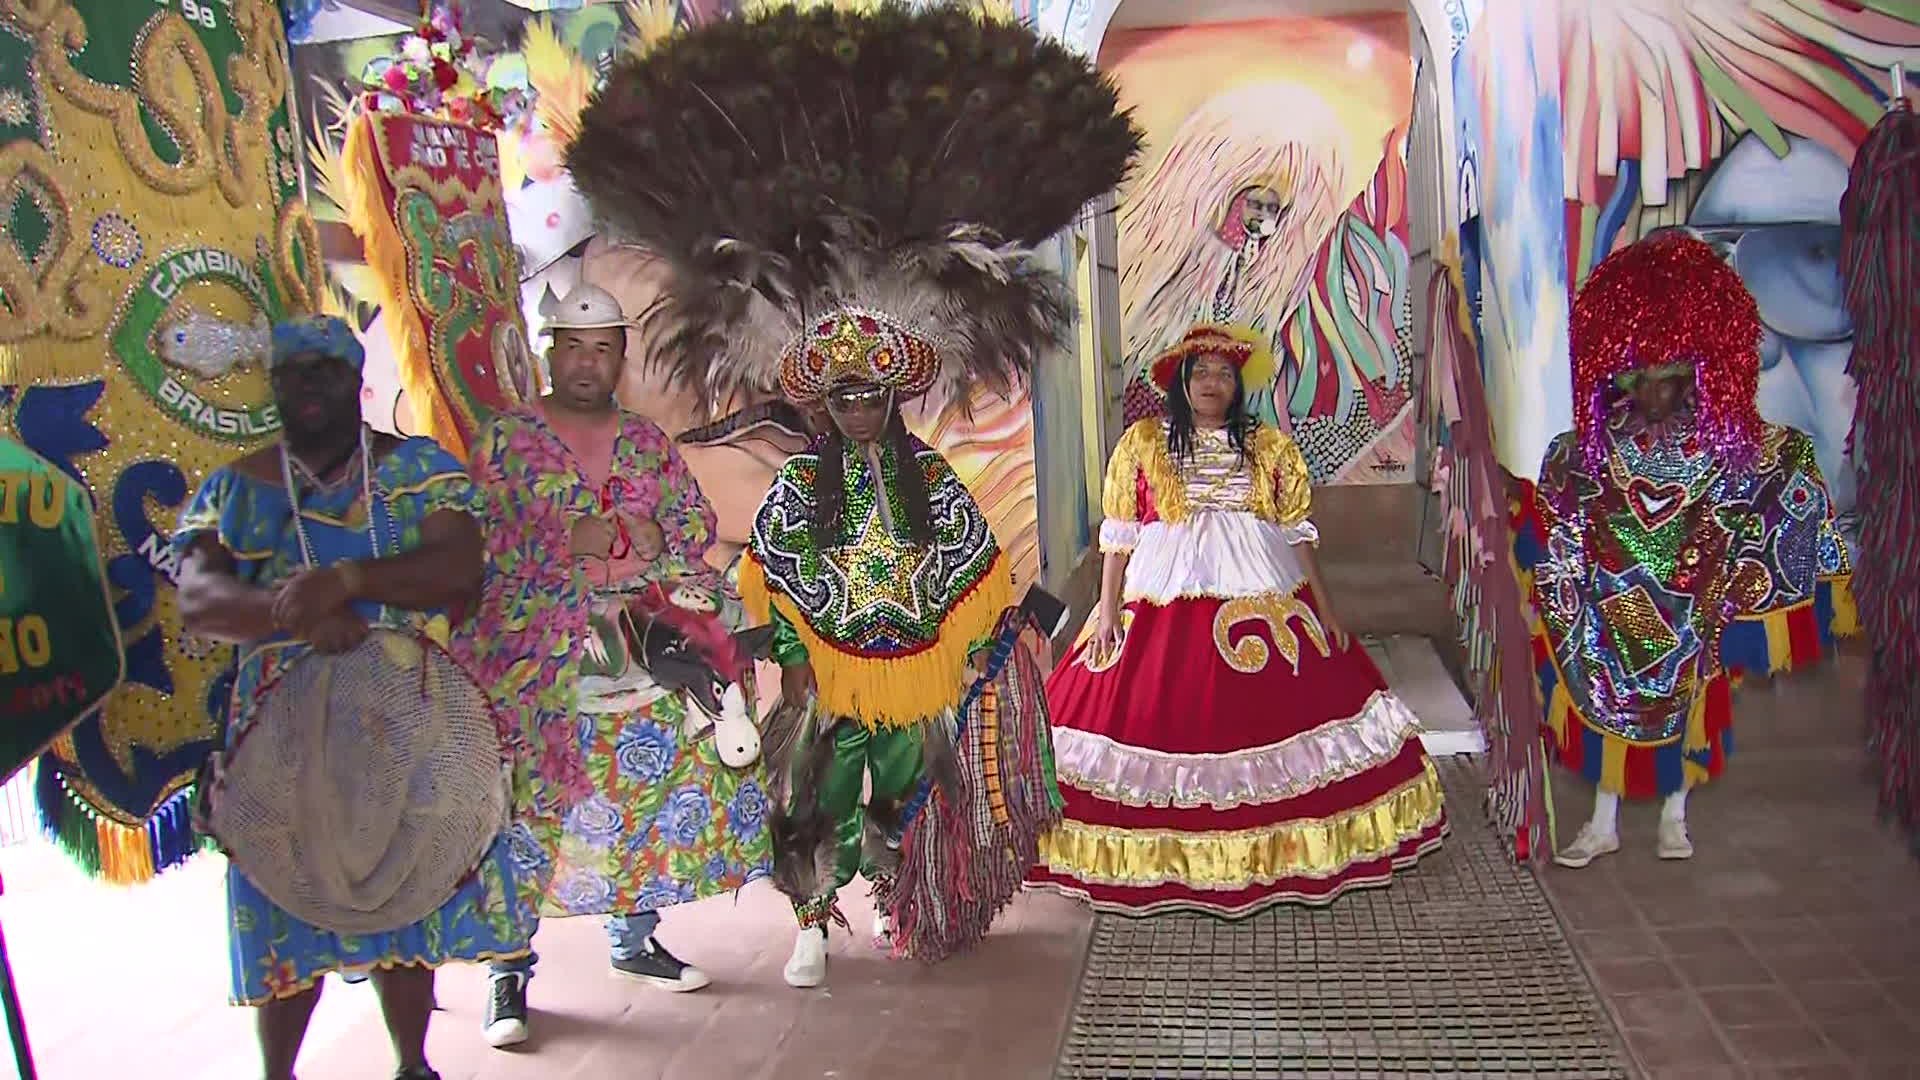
[1750, 147]
[1273, 195]
[733, 447]
[1513, 245]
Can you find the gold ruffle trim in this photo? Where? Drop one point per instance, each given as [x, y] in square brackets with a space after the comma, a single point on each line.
[1227, 861]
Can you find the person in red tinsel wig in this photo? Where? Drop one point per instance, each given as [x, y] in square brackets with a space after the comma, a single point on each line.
[1673, 540]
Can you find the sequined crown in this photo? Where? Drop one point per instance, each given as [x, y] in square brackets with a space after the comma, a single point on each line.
[858, 345]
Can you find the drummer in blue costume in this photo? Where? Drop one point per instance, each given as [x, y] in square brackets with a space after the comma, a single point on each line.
[282, 546]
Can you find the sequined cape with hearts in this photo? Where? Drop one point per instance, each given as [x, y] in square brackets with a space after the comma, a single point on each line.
[1639, 572]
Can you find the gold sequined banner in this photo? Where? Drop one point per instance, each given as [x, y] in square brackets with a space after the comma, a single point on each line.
[154, 231]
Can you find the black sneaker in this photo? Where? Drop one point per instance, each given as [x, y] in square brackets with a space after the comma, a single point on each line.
[657, 966]
[419, 1072]
[506, 1022]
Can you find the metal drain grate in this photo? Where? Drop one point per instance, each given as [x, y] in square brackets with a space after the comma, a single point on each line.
[1458, 969]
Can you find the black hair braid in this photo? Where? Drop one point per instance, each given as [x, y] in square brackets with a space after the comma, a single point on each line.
[829, 527]
[830, 492]
[914, 497]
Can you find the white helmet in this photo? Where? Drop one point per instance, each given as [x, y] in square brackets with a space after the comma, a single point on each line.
[586, 307]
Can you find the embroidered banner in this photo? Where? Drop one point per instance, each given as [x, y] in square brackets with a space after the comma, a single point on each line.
[425, 199]
[59, 645]
[149, 175]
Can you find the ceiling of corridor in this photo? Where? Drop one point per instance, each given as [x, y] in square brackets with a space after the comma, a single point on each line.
[1139, 13]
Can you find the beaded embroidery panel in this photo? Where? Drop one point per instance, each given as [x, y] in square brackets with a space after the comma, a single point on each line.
[880, 594]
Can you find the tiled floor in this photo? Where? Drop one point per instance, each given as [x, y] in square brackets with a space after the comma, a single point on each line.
[1790, 945]
[107, 973]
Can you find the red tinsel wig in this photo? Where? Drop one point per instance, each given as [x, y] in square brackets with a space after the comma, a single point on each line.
[1669, 300]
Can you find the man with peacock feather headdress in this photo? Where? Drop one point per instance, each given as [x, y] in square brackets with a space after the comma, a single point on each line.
[847, 205]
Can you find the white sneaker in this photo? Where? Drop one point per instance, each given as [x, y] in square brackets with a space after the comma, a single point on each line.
[882, 927]
[1586, 847]
[1674, 842]
[807, 967]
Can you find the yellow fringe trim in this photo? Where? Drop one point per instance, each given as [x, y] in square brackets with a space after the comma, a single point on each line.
[889, 692]
[1313, 848]
[126, 857]
[370, 213]
[1846, 614]
[754, 595]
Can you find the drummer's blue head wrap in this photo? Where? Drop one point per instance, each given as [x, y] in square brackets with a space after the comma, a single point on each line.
[322, 334]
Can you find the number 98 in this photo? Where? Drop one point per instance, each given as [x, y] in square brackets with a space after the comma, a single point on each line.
[196, 11]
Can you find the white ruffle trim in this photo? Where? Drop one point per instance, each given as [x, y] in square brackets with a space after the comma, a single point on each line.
[1139, 777]
[1118, 536]
[1217, 553]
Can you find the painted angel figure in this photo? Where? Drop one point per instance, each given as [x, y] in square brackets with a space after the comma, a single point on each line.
[1223, 227]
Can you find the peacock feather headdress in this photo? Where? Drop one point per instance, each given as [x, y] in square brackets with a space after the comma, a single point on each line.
[809, 176]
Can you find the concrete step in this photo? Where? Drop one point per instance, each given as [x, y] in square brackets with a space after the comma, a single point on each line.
[1413, 669]
[1388, 597]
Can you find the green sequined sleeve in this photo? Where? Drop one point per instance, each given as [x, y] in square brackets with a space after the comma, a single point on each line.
[787, 648]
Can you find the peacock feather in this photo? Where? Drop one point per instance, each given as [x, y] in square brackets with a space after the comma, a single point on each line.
[793, 160]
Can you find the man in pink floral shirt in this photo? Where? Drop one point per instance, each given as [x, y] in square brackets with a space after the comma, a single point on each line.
[621, 809]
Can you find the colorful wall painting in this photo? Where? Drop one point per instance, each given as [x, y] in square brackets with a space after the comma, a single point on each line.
[732, 450]
[1750, 147]
[1273, 195]
[1513, 240]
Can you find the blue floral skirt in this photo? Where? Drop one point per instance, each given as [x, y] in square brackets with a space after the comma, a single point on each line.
[276, 955]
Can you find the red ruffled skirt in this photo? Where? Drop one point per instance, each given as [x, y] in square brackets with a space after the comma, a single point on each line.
[1230, 758]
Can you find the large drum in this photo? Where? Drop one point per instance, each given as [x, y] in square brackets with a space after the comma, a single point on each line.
[361, 790]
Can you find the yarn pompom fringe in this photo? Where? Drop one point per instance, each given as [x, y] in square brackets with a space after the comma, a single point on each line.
[108, 850]
[966, 852]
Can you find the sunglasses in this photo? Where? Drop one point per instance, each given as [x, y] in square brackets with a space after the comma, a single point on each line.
[865, 397]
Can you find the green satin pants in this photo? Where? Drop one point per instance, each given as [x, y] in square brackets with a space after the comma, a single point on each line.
[893, 757]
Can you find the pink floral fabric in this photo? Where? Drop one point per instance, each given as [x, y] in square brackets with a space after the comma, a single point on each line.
[595, 831]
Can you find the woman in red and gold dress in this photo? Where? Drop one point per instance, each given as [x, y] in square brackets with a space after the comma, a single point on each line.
[1223, 744]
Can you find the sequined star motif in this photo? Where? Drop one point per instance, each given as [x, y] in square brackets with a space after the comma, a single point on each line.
[879, 570]
[846, 348]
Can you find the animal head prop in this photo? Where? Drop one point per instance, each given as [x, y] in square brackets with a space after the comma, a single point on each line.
[676, 633]
[839, 192]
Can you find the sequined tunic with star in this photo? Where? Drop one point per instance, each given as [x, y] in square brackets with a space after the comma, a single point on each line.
[1231, 756]
[888, 625]
[1652, 577]
[886, 622]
